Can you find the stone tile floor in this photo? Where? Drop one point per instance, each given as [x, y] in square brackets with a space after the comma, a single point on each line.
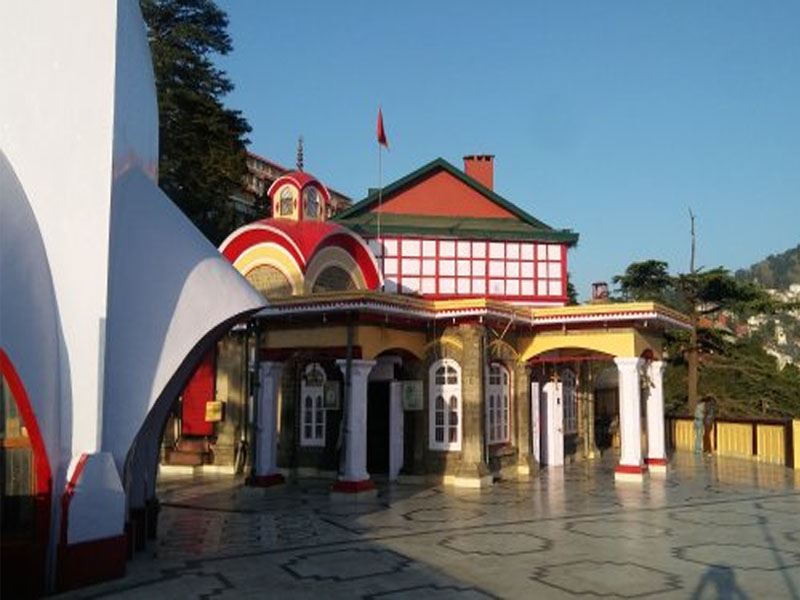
[712, 528]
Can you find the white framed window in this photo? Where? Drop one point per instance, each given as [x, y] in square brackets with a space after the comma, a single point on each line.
[312, 413]
[445, 405]
[570, 405]
[498, 395]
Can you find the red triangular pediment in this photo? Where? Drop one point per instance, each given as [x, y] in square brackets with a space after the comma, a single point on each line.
[441, 194]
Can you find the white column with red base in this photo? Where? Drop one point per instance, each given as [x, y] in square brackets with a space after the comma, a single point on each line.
[265, 466]
[630, 426]
[355, 477]
[656, 455]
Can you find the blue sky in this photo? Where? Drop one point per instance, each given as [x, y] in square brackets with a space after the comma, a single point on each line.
[609, 118]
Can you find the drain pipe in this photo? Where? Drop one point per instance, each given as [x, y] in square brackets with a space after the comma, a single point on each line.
[484, 353]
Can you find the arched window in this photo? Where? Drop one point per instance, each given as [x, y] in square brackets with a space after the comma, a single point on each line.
[269, 281]
[570, 405]
[498, 394]
[445, 405]
[312, 412]
[333, 279]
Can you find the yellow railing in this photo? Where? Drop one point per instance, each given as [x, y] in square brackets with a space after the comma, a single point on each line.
[769, 442]
[735, 439]
[682, 431]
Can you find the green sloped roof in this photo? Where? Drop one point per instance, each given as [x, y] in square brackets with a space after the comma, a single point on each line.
[359, 218]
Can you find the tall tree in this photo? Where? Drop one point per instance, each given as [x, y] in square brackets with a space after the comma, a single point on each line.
[202, 143]
[701, 294]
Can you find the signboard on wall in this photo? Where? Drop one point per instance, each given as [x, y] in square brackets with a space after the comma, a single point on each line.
[412, 395]
[215, 411]
[332, 399]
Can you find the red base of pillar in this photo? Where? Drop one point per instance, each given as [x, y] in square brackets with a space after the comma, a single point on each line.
[91, 562]
[265, 480]
[656, 462]
[630, 469]
[629, 473]
[353, 487]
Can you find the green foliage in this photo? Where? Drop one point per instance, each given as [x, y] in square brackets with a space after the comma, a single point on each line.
[711, 291]
[777, 271]
[648, 280]
[742, 377]
[202, 144]
[572, 293]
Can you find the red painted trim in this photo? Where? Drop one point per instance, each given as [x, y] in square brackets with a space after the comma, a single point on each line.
[656, 462]
[91, 562]
[265, 480]
[359, 252]
[630, 469]
[282, 354]
[252, 237]
[44, 478]
[563, 359]
[69, 492]
[353, 487]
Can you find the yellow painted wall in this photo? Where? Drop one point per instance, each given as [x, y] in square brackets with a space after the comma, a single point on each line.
[372, 339]
[771, 444]
[796, 440]
[683, 434]
[616, 342]
[735, 439]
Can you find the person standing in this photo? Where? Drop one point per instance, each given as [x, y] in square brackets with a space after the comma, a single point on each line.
[708, 424]
[699, 424]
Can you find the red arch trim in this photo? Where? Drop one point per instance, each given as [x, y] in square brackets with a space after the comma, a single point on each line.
[360, 254]
[44, 479]
[251, 237]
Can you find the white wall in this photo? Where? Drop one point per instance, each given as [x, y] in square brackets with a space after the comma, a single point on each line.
[56, 112]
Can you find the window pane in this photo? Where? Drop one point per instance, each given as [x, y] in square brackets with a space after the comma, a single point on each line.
[453, 418]
[453, 403]
[439, 434]
[308, 431]
[439, 403]
[453, 435]
[308, 401]
[439, 418]
[319, 432]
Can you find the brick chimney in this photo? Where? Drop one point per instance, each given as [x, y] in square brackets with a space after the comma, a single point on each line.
[481, 168]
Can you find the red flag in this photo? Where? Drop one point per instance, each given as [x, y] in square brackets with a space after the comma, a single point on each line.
[381, 131]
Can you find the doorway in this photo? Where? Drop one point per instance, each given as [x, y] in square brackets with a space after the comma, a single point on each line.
[378, 427]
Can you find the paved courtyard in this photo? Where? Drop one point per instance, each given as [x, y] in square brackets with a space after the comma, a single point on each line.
[712, 528]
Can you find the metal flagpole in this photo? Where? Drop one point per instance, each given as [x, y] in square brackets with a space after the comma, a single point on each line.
[380, 201]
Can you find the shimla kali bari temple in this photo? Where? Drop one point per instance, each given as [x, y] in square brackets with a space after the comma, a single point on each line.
[421, 333]
[425, 332]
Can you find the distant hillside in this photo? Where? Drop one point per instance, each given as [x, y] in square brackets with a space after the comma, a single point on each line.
[777, 271]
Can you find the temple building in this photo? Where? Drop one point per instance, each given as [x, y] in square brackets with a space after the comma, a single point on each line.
[424, 332]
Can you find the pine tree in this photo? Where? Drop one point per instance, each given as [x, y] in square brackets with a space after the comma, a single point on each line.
[202, 143]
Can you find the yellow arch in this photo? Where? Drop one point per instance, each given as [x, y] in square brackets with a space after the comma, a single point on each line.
[273, 255]
[445, 339]
[334, 257]
[616, 342]
[376, 340]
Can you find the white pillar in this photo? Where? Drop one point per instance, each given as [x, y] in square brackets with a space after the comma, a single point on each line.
[355, 477]
[656, 455]
[630, 425]
[265, 464]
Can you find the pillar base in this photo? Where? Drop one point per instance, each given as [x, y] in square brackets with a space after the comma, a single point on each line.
[354, 490]
[656, 465]
[91, 562]
[632, 473]
[265, 480]
[353, 487]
